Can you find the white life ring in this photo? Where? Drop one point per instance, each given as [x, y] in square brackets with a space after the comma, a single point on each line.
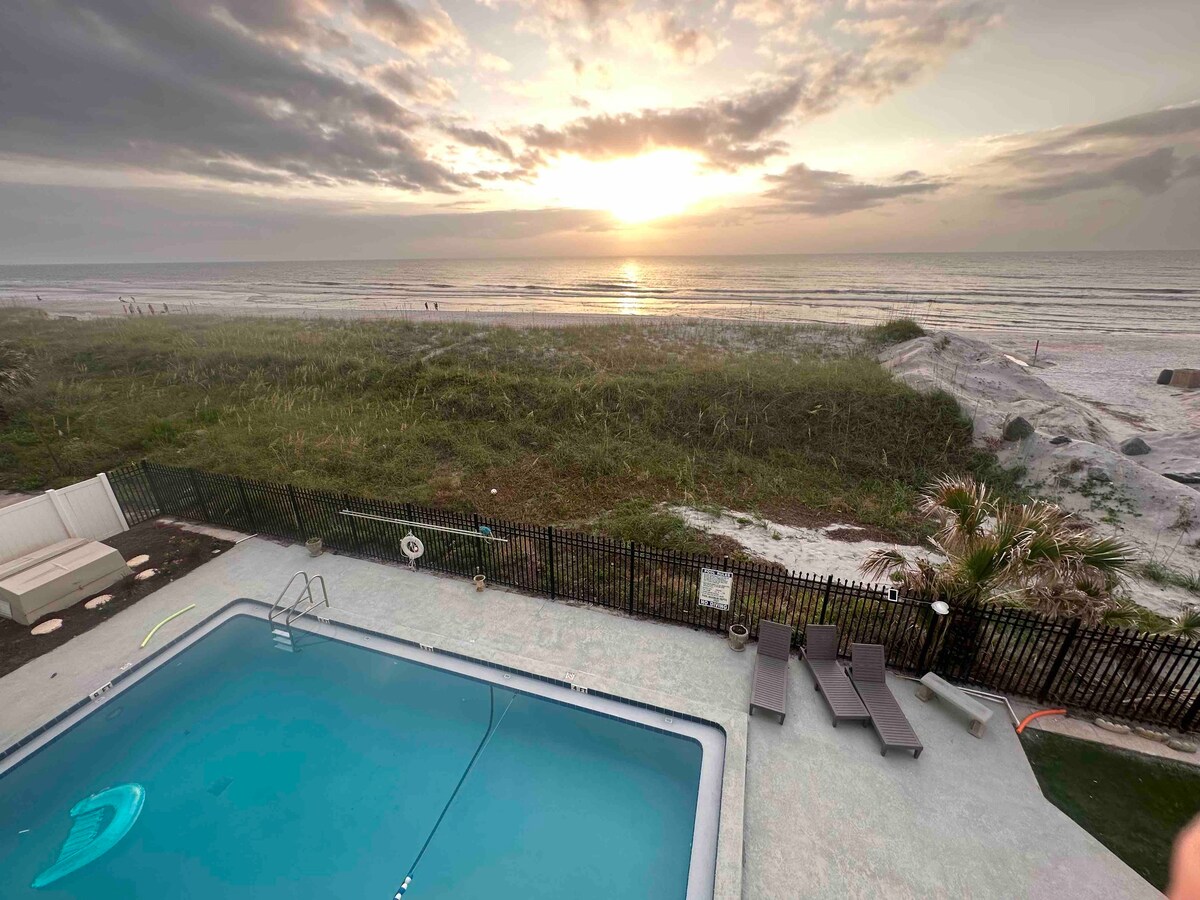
[412, 546]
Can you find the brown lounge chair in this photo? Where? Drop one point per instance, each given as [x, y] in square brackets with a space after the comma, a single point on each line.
[820, 652]
[870, 680]
[770, 669]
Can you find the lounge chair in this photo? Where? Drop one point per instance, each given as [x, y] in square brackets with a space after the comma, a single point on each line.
[870, 680]
[820, 652]
[770, 669]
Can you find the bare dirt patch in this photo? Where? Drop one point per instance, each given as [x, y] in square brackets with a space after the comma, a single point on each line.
[173, 551]
[799, 516]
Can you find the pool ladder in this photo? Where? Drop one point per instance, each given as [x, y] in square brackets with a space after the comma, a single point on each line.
[283, 615]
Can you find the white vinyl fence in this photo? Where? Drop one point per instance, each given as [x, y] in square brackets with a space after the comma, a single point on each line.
[87, 509]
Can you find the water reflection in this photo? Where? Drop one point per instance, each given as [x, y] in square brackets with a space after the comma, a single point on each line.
[630, 301]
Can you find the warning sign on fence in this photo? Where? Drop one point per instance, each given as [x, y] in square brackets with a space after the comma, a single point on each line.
[716, 587]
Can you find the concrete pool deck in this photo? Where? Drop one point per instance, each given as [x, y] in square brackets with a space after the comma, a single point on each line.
[808, 810]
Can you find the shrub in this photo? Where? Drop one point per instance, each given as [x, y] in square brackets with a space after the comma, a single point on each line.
[896, 331]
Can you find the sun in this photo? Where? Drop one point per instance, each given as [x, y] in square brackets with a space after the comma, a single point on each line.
[634, 189]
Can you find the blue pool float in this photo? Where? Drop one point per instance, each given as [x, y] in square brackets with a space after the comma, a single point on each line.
[101, 821]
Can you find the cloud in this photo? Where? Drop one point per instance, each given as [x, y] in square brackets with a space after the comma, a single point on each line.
[673, 38]
[1171, 121]
[1150, 173]
[412, 80]
[772, 13]
[1147, 153]
[404, 26]
[490, 62]
[813, 192]
[227, 91]
[477, 137]
[739, 130]
[729, 131]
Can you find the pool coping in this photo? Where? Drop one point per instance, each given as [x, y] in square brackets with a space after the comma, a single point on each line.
[728, 862]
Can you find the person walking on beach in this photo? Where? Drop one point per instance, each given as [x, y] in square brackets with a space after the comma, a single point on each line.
[435, 306]
[151, 305]
[426, 306]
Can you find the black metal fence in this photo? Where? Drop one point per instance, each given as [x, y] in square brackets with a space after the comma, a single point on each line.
[1115, 672]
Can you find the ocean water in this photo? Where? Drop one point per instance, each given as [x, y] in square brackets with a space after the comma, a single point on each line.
[320, 774]
[1142, 292]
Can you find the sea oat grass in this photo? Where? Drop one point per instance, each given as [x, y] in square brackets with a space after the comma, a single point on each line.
[566, 423]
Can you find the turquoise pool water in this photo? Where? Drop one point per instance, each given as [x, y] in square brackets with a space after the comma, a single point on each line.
[321, 774]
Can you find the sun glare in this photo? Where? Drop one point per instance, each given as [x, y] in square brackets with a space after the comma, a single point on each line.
[634, 189]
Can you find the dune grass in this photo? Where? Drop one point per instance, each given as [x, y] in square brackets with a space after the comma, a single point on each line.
[895, 331]
[566, 424]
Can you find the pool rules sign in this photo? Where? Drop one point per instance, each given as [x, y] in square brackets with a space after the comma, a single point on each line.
[716, 587]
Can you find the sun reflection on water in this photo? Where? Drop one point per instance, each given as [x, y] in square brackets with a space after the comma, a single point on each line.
[631, 301]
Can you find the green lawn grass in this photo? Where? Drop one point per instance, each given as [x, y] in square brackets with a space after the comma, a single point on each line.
[568, 424]
[1133, 804]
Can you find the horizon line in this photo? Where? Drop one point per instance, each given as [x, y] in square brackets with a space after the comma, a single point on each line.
[596, 256]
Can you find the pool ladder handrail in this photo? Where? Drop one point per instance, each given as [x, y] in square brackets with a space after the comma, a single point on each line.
[293, 612]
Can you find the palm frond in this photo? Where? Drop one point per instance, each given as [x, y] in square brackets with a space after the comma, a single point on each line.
[882, 563]
[1032, 555]
[1186, 624]
[963, 503]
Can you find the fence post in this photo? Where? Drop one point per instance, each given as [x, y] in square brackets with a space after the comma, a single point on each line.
[1073, 627]
[934, 621]
[358, 544]
[550, 553]
[825, 602]
[630, 602]
[199, 496]
[1191, 715]
[70, 526]
[479, 566]
[724, 615]
[112, 499]
[247, 510]
[153, 488]
[300, 535]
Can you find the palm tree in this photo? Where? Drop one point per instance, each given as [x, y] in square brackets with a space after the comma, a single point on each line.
[1029, 555]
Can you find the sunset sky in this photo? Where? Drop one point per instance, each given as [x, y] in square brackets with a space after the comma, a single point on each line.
[312, 129]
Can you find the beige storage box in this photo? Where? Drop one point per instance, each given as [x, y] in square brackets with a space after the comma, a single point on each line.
[55, 577]
[1185, 378]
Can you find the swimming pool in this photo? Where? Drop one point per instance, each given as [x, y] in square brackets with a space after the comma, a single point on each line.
[331, 771]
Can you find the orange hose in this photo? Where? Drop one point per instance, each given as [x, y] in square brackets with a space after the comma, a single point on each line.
[1037, 715]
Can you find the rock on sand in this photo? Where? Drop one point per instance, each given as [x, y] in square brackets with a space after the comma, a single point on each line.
[1134, 446]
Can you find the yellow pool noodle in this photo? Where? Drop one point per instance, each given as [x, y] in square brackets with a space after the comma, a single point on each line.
[164, 622]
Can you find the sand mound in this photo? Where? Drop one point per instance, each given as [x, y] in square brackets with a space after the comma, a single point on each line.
[811, 551]
[991, 386]
[1089, 475]
[1177, 453]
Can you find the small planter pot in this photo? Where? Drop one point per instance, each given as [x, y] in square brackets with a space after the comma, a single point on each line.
[480, 583]
[738, 635]
[315, 546]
